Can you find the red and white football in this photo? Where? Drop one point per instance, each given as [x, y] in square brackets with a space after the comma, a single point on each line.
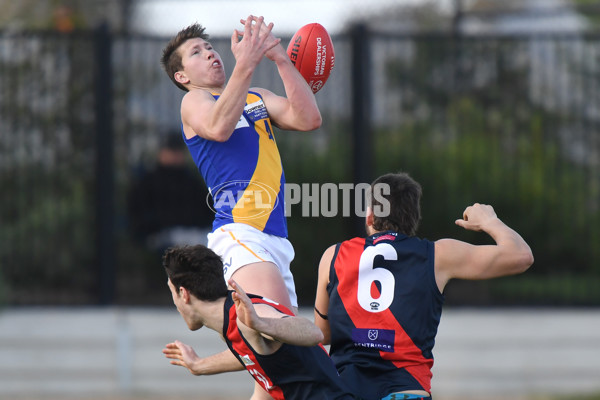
[311, 51]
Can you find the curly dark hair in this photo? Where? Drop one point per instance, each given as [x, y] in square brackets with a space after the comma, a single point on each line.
[171, 58]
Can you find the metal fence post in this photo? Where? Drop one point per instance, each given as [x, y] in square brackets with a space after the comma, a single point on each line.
[105, 185]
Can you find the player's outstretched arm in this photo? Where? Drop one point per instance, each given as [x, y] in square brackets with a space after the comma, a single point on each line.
[456, 259]
[184, 355]
[272, 324]
[298, 110]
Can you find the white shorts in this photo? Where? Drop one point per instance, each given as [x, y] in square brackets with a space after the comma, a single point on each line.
[241, 244]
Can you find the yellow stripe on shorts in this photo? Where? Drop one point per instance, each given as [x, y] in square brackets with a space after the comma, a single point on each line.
[243, 245]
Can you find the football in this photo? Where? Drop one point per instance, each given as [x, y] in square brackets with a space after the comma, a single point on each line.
[311, 52]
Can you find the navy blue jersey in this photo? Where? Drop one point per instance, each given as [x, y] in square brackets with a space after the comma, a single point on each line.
[384, 312]
[292, 372]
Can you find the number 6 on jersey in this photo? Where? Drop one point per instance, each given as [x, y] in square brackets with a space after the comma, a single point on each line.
[367, 275]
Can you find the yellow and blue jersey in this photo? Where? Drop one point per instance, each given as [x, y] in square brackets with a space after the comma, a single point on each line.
[244, 174]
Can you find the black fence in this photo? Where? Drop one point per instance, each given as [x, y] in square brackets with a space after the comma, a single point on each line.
[512, 121]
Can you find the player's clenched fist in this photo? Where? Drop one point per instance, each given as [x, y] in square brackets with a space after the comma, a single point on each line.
[476, 216]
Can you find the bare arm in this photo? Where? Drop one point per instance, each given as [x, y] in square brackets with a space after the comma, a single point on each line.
[298, 110]
[216, 120]
[322, 298]
[183, 355]
[456, 259]
[272, 324]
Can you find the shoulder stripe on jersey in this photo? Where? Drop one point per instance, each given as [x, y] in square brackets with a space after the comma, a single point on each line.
[279, 307]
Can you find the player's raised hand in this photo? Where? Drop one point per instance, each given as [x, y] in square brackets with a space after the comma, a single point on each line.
[476, 217]
[243, 305]
[256, 40]
[183, 355]
[273, 43]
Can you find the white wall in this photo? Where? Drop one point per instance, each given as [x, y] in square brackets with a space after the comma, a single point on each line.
[483, 353]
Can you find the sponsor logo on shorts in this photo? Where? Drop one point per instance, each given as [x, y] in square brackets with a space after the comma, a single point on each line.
[264, 252]
[226, 265]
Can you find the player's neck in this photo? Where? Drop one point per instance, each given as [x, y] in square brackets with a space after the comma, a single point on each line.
[370, 230]
[214, 90]
[209, 89]
[211, 313]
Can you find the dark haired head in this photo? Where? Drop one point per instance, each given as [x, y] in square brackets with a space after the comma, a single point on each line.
[198, 269]
[171, 58]
[404, 196]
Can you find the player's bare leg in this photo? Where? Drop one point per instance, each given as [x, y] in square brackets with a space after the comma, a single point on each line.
[264, 279]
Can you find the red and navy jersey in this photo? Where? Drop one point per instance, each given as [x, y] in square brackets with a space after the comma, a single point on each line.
[384, 312]
[292, 372]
